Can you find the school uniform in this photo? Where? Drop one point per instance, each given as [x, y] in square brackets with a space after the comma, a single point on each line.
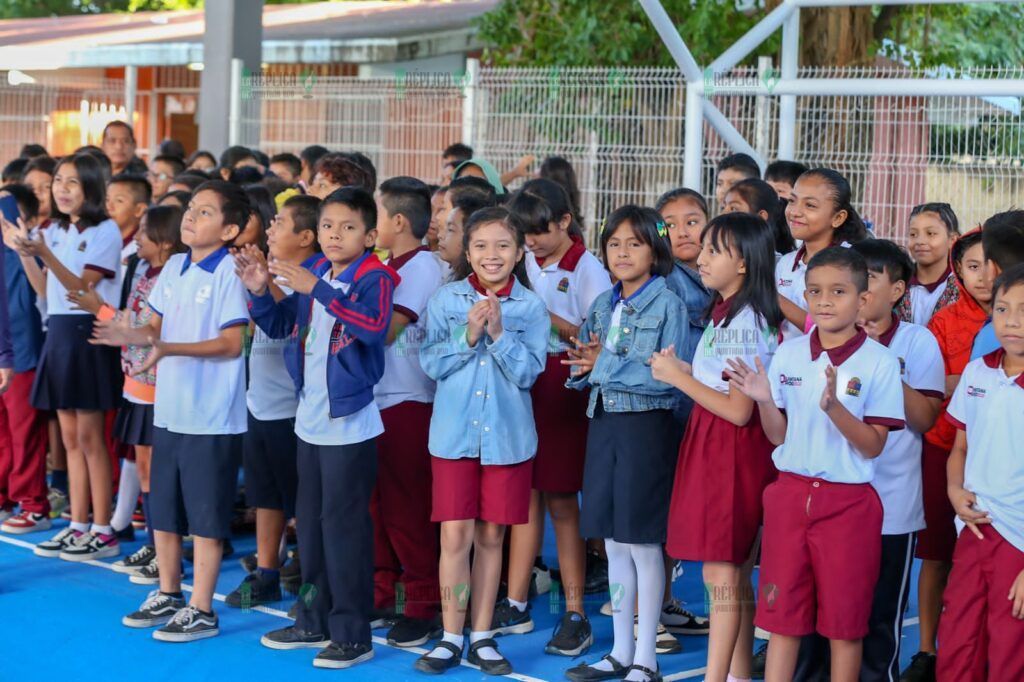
[723, 469]
[482, 435]
[823, 520]
[23, 429]
[335, 355]
[134, 423]
[980, 638]
[790, 280]
[898, 483]
[568, 288]
[405, 544]
[685, 283]
[72, 373]
[633, 437]
[268, 446]
[924, 300]
[199, 410]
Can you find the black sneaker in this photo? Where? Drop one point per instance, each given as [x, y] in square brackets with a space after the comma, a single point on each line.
[433, 665]
[508, 620]
[293, 638]
[291, 575]
[572, 636]
[58, 543]
[249, 563]
[758, 662]
[136, 561]
[293, 612]
[339, 656]
[499, 666]
[147, 575]
[189, 553]
[382, 618]
[597, 574]
[921, 668]
[156, 610]
[255, 590]
[92, 546]
[126, 534]
[409, 632]
[679, 621]
[187, 625]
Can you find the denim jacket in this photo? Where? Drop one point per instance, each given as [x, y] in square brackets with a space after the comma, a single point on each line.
[652, 318]
[685, 283]
[482, 407]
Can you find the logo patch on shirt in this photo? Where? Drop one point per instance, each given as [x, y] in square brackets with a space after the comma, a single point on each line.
[81, 246]
[203, 294]
[563, 285]
[790, 381]
[975, 392]
[903, 366]
[785, 282]
[853, 387]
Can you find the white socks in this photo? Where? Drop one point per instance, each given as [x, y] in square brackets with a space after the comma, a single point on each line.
[127, 496]
[80, 527]
[521, 605]
[650, 569]
[622, 588]
[487, 653]
[102, 530]
[441, 652]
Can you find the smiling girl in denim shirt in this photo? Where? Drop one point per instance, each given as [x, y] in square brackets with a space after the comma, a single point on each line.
[633, 437]
[486, 343]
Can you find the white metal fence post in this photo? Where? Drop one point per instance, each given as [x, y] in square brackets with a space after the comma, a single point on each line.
[787, 103]
[693, 142]
[131, 82]
[469, 102]
[235, 102]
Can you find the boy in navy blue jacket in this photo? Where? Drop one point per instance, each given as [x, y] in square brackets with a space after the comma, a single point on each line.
[337, 321]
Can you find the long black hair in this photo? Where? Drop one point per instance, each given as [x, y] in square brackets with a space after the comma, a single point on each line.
[853, 229]
[263, 208]
[498, 214]
[540, 202]
[750, 237]
[93, 182]
[760, 196]
[560, 171]
[649, 227]
[163, 226]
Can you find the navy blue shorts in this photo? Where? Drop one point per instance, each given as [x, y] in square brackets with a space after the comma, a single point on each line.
[628, 475]
[193, 479]
[269, 462]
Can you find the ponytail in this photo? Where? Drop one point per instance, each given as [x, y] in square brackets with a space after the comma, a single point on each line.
[853, 229]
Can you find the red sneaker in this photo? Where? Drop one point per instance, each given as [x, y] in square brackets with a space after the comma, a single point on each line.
[26, 522]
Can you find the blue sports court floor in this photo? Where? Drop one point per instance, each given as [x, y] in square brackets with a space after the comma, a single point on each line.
[73, 613]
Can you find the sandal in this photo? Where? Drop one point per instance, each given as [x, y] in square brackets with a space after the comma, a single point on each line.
[587, 673]
[432, 665]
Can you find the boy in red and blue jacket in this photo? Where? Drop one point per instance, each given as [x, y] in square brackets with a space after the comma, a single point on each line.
[338, 321]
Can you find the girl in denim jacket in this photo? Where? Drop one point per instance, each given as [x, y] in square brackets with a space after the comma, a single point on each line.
[486, 343]
[633, 437]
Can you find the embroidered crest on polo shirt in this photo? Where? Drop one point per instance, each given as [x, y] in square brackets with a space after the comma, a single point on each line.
[563, 285]
[853, 387]
[790, 381]
[975, 392]
[81, 246]
[785, 282]
[203, 293]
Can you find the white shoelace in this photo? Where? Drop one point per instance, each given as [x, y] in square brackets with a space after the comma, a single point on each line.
[154, 599]
[185, 616]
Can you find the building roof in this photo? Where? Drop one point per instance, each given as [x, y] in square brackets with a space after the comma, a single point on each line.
[361, 31]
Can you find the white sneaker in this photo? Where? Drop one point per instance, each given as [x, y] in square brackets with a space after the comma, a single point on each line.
[92, 546]
[678, 620]
[6, 514]
[25, 522]
[762, 634]
[666, 643]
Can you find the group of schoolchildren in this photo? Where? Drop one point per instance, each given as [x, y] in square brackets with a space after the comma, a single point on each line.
[403, 371]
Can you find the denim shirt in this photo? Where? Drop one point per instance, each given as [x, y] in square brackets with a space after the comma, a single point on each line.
[653, 318]
[482, 407]
[685, 283]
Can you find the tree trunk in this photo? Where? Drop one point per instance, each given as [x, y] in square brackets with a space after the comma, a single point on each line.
[835, 36]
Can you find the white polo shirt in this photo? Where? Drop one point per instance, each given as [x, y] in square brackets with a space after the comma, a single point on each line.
[790, 280]
[898, 468]
[196, 301]
[747, 337]
[568, 287]
[867, 383]
[271, 394]
[923, 298]
[95, 248]
[313, 421]
[989, 406]
[404, 379]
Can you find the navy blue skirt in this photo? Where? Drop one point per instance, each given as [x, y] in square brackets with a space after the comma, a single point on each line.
[73, 374]
[134, 423]
[628, 474]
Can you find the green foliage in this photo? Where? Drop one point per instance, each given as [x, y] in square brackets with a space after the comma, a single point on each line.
[600, 33]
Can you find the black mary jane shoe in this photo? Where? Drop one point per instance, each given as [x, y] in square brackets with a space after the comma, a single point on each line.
[435, 666]
[652, 675]
[587, 673]
[498, 667]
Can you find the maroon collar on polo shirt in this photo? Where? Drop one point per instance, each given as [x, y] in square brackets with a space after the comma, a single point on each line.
[839, 354]
[800, 253]
[995, 361]
[941, 281]
[396, 263]
[127, 238]
[571, 258]
[890, 333]
[720, 310]
[474, 282]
